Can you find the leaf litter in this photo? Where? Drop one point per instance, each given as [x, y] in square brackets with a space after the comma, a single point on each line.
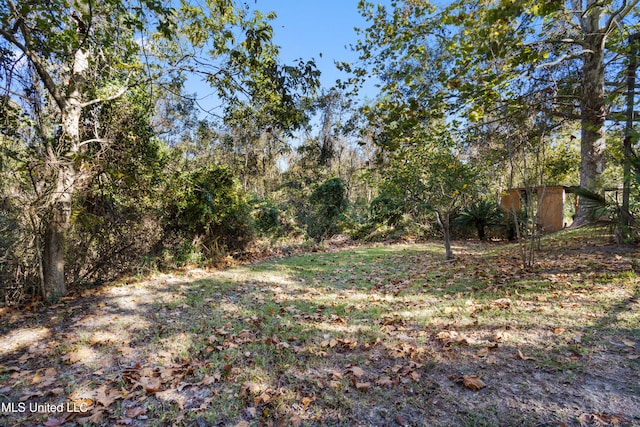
[372, 336]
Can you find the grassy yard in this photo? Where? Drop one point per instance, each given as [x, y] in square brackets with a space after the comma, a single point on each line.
[378, 336]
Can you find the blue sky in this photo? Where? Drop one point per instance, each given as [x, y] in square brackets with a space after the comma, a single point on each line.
[306, 28]
[321, 30]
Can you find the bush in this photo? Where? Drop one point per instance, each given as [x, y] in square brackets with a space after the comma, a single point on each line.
[387, 209]
[207, 206]
[109, 237]
[480, 215]
[328, 202]
[18, 256]
[266, 218]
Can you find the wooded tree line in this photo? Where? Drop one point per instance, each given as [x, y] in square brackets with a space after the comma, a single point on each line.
[108, 166]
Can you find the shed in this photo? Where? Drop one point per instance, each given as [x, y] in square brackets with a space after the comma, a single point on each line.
[549, 200]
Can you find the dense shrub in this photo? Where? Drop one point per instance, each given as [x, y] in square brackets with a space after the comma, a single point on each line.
[110, 237]
[115, 217]
[266, 217]
[19, 244]
[328, 202]
[387, 209]
[208, 206]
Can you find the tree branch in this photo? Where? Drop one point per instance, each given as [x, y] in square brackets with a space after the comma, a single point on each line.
[36, 60]
[620, 14]
[116, 95]
[39, 66]
[564, 58]
[89, 141]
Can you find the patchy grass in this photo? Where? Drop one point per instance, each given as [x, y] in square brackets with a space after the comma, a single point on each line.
[386, 335]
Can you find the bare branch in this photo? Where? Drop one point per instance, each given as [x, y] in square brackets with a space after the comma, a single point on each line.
[620, 14]
[116, 95]
[566, 57]
[89, 141]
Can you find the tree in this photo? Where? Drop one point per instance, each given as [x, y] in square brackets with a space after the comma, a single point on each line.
[503, 45]
[496, 54]
[114, 217]
[435, 179]
[264, 99]
[63, 59]
[432, 177]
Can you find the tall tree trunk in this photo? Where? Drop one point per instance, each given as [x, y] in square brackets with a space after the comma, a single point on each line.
[62, 165]
[59, 219]
[592, 104]
[53, 251]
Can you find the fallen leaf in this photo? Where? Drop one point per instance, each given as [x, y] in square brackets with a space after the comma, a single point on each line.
[356, 371]
[361, 386]
[336, 375]
[55, 422]
[317, 352]
[106, 397]
[127, 351]
[472, 382]
[250, 388]
[501, 335]
[250, 412]
[501, 303]
[79, 355]
[86, 403]
[491, 360]
[103, 338]
[306, 401]
[211, 379]
[523, 357]
[150, 384]
[263, 398]
[483, 352]
[585, 418]
[452, 337]
[135, 412]
[617, 419]
[226, 370]
[95, 417]
[172, 395]
[6, 369]
[329, 343]
[384, 382]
